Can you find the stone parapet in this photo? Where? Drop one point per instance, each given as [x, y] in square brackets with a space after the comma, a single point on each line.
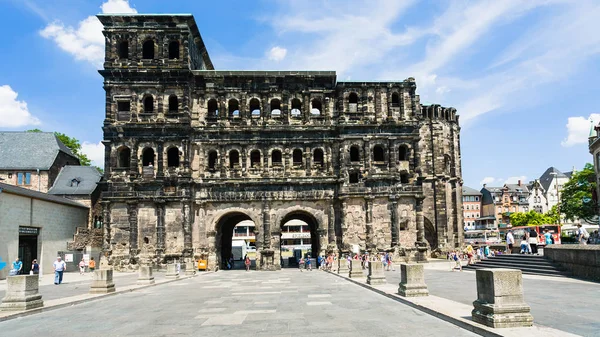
[412, 281]
[22, 293]
[500, 302]
[145, 275]
[102, 282]
[581, 260]
[356, 270]
[376, 275]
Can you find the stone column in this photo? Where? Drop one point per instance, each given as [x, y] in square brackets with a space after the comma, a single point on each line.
[106, 247]
[107, 159]
[145, 275]
[190, 267]
[160, 165]
[421, 244]
[172, 271]
[412, 281]
[102, 282]
[500, 302]
[330, 225]
[134, 170]
[356, 270]
[21, 293]
[160, 228]
[132, 210]
[376, 275]
[343, 227]
[394, 219]
[276, 242]
[370, 244]
[343, 267]
[266, 208]
[187, 228]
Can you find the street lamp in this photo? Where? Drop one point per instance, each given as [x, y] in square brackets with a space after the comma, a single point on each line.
[557, 195]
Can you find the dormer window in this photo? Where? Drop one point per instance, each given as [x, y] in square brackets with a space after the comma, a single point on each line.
[75, 182]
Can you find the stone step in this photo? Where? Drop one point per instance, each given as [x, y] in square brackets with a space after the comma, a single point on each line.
[503, 264]
[528, 271]
[519, 262]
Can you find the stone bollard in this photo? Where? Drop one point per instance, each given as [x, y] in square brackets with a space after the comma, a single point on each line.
[500, 302]
[343, 267]
[412, 280]
[103, 282]
[375, 273]
[145, 275]
[22, 293]
[190, 268]
[171, 271]
[355, 269]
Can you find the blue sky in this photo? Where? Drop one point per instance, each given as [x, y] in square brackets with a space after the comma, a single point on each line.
[523, 75]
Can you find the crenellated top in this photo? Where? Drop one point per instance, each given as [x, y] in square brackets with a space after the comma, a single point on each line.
[437, 112]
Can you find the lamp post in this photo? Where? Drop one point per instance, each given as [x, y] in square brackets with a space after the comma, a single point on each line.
[555, 175]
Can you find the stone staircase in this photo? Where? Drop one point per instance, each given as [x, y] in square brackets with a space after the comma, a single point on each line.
[528, 264]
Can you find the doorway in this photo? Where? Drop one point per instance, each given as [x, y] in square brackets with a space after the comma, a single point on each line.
[28, 247]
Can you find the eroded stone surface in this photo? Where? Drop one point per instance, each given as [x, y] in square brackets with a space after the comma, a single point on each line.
[21, 293]
[412, 280]
[103, 282]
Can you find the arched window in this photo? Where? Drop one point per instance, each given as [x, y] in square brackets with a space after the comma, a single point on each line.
[212, 160]
[297, 157]
[213, 109]
[296, 108]
[353, 178]
[255, 108]
[354, 154]
[148, 157]
[255, 158]
[148, 104]
[318, 157]
[316, 107]
[404, 178]
[124, 157]
[124, 50]
[234, 159]
[353, 102]
[395, 100]
[148, 50]
[234, 108]
[402, 153]
[378, 153]
[173, 157]
[276, 158]
[174, 50]
[275, 108]
[173, 103]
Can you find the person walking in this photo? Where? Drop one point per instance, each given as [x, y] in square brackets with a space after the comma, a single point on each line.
[547, 237]
[92, 265]
[390, 263]
[510, 241]
[533, 241]
[308, 263]
[35, 267]
[582, 235]
[81, 266]
[59, 268]
[456, 257]
[17, 266]
[247, 262]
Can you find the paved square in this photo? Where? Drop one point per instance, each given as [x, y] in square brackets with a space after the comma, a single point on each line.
[299, 304]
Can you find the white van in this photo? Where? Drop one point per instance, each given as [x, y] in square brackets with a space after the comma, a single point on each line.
[238, 249]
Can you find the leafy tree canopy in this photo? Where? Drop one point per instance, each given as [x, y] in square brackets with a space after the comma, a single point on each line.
[576, 199]
[532, 218]
[73, 144]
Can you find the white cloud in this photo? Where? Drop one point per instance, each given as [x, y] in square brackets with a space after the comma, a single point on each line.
[515, 180]
[578, 129]
[85, 42]
[14, 113]
[95, 152]
[277, 53]
[488, 181]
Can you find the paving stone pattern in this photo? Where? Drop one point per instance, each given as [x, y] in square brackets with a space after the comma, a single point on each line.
[237, 303]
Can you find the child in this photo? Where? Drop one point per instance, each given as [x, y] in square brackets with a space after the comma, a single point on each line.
[457, 262]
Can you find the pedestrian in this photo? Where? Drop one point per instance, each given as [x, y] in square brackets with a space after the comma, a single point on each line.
[59, 268]
[308, 263]
[390, 262]
[456, 258]
[17, 266]
[301, 264]
[35, 267]
[533, 241]
[81, 266]
[527, 236]
[470, 253]
[92, 265]
[319, 262]
[582, 235]
[329, 262]
[524, 246]
[247, 262]
[510, 241]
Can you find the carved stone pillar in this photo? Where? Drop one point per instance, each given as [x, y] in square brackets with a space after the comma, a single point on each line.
[160, 166]
[266, 224]
[132, 212]
[186, 156]
[134, 170]
[160, 227]
[420, 222]
[331, 225]
[370, 244]
[108, 164]
[106, 246]
[394, 218]
[343, 227]
[187, 228]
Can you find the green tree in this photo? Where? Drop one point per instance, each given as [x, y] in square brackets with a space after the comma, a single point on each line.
[552, 215]
[531, 218]
[73, 144]
[576, 196]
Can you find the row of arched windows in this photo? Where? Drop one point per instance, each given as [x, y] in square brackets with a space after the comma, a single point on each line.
[233, 108]
[148, 103]
[256, 158]
[148, 49]
[378, 153]
[148, 157]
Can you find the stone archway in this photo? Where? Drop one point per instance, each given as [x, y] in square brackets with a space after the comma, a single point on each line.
[430, 234]
[303, 217]
[224, 235]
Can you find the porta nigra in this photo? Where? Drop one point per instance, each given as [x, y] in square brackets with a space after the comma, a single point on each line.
[192, 151]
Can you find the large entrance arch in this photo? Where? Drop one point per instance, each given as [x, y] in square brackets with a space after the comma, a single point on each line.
[430, 234]
[297, 229]
[225, 233]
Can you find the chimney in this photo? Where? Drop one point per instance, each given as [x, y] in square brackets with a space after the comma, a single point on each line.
[484, 185]
[519, 182]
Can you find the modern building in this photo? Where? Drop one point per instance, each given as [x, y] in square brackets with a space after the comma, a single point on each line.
[501, 202]
[191, 151]
[35, 225]
[32, 160]
[471, 206]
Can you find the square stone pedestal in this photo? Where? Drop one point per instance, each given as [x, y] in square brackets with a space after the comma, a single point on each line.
[376, 275]
[190, 267]
[500, 302]
[412, 280]
[356, 269]
[145, 275]
[343, 267]
[102, 282]
[172, 271]
[22, 293]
